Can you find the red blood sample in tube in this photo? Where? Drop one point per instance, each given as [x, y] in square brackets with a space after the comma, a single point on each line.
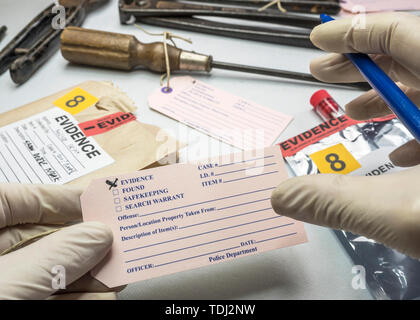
[325, 106]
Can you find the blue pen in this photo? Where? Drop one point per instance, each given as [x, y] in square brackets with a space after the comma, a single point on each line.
[400, 104]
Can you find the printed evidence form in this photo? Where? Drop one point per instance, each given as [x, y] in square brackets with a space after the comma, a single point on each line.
[185, 216]
[48, 148]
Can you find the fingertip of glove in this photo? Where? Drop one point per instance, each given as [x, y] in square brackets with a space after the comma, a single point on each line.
[320, 35]
[407, 155]
[275, 201]
[67, 190]
[395, 156]
[279, 201]
[312, 36]
[298, 197]
[355, 112]
[98, 231]
[317, 67]
[316, 36]
[76, 190]
[331, 67]
[367, 106]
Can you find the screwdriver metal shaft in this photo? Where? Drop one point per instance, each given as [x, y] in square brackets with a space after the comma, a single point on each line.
[284, 74]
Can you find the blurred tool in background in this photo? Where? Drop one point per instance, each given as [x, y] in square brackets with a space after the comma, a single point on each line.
[2, 32]
[39, 40]
[287, 28]
[125, 52]
[302, 6]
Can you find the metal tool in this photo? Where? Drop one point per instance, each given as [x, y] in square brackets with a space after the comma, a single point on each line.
[304, 6]
[39, 40]
[3, 30]
[125, 52]
[288, 28]
[297, 38]
[153, 8]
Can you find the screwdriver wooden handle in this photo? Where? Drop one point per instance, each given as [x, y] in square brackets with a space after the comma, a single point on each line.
[125, 52]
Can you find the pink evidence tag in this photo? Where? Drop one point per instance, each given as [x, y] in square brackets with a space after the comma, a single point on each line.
[217, 113]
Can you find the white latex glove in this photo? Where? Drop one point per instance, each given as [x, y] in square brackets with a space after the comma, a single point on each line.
[384, 208]
[26, 273]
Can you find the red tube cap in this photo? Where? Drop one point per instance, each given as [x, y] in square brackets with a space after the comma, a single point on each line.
[319, 96]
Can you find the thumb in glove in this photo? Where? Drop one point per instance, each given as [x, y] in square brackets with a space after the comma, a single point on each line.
[384, 208]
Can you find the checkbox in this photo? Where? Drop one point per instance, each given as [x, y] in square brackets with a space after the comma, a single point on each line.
[118, 209]
[117, 200]
[115, 192]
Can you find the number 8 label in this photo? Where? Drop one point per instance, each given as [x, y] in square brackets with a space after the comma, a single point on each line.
[336, 163]
[335, 159]
[76, 101]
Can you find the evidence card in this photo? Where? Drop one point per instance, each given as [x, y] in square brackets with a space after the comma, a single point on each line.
[48, 148]
[184, 216]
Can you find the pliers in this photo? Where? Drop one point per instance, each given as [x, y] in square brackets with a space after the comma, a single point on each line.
[39, 40]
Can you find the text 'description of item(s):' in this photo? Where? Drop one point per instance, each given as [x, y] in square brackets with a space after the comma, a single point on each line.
[185, 216]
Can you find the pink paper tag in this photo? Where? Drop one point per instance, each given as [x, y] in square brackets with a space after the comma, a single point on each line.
[229, 118]
[185, 216]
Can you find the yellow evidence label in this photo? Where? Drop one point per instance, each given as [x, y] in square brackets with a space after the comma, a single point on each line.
[76, 101]
[335, 159]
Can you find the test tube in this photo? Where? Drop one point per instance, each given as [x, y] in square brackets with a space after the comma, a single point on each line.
[325, 106]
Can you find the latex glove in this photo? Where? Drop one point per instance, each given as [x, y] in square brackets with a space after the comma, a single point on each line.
[393, 40]
[384, 208]
[26, 273]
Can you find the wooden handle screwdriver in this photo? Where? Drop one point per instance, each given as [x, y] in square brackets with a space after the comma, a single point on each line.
[125, 52]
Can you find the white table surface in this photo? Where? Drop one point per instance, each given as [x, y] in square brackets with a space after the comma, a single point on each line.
[319, 269]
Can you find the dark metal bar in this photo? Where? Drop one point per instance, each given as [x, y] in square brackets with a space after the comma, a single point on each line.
[298, 37]
[2, 32]
[284, 74]
[303, 6]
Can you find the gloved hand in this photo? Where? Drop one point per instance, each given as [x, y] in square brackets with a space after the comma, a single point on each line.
[384, 208]
[26, 271]
[392, 40]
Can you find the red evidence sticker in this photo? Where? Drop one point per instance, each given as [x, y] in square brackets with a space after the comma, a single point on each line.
[107, 123]
[293, 145]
